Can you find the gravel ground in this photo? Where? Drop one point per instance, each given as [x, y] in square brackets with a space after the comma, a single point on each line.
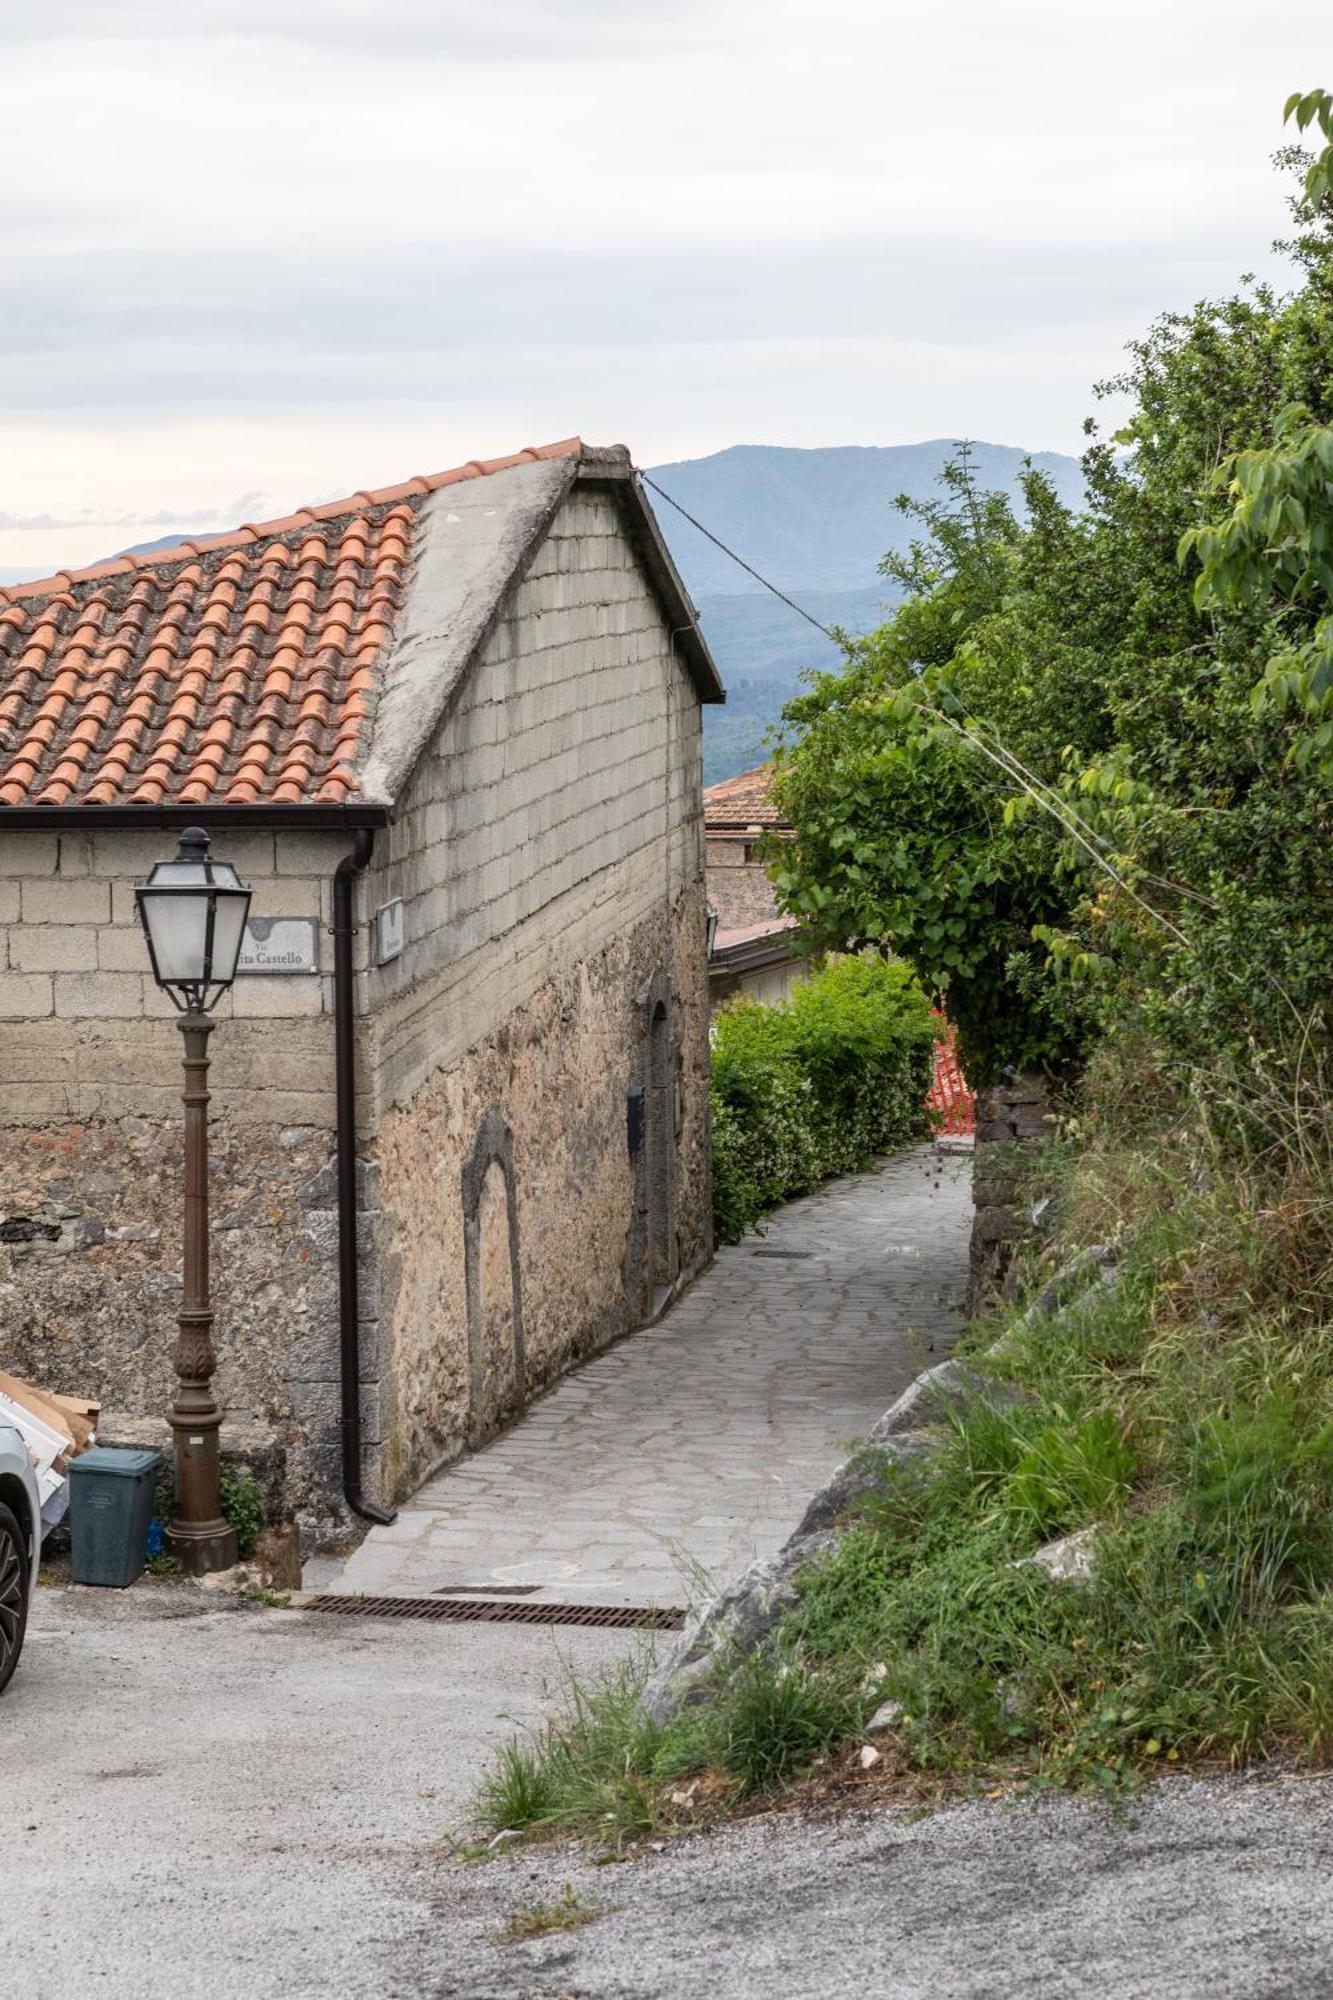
[1217, 1888]
[222, 1800]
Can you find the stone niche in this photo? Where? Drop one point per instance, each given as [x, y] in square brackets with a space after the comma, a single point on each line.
[1013, 1117]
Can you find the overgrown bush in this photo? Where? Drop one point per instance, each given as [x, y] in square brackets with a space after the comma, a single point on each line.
[1084, 775]
[817, 1086]
[243, 1505]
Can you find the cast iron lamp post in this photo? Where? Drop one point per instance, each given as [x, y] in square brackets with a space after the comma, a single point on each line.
[193, 911]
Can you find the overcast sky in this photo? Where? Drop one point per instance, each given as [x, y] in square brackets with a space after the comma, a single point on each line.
[274, 250]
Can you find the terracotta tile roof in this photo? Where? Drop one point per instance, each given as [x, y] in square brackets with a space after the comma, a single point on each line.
[737, 804]
[238, 669]
[772, 927]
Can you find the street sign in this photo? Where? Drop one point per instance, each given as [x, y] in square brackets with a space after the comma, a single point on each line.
[280, 945]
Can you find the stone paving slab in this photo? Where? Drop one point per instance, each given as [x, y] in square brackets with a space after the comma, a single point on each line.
[691, 1447]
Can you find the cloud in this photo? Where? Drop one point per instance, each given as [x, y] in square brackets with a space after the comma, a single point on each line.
[246, 504]
[315, 245]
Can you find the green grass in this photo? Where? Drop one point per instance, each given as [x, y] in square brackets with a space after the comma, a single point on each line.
[1185, 1412]
[568, 1912]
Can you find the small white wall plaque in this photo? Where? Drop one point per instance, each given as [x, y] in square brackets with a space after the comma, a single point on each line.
[389, 931]
[280, 945]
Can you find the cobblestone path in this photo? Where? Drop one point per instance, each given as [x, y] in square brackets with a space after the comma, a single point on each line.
[692, 1446]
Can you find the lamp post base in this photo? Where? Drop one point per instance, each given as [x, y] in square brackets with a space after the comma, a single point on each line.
[203, 1546]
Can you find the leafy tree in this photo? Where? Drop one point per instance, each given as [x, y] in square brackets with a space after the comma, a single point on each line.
[1048, 781]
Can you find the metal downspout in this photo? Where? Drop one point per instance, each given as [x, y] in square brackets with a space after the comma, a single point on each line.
[344, 1042]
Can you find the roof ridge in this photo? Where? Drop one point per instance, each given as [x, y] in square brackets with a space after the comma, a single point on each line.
[738, 777]
[258, 531]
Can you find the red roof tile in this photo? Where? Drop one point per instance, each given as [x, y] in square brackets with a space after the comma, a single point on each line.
[233, 670]
[737, 804]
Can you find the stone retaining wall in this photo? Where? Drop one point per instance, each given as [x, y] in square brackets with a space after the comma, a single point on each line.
[1012, 1117]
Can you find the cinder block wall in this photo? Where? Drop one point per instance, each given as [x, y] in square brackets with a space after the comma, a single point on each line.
[90, 1144]
[550, 855]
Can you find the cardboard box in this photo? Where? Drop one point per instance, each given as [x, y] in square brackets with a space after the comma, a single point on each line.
[63, 1418]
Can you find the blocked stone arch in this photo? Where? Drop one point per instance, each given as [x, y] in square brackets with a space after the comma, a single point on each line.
[497, 1369]
[658, 1166]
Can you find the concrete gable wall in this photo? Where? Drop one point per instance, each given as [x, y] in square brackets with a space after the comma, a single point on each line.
[575, 746]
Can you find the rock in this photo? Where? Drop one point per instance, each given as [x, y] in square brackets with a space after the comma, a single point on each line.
[82, 1232]
[736, 1621]
[949, 1386]
[238, 1581]
[134, 1232]
[321, 1190]
[864, 1472]
[1068, 1560]
[277, 1557]
[297, 1135]
[1098, 1260]
[887, 1716]
[1097, 1265]
[869, 1757]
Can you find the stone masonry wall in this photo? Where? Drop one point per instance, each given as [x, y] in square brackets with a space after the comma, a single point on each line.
[1012, 1117]
[739, 888]
[552, 1081]
[91, 1146]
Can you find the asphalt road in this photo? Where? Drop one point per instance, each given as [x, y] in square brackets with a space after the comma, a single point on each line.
[202, 1798]
[250, 1804]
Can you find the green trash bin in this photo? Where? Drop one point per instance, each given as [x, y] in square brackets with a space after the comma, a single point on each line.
[110, 1506]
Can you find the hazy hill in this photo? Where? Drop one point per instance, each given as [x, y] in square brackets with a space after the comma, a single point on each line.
[817, 524]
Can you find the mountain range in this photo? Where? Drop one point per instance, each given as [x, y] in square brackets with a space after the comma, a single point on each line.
[816, 523]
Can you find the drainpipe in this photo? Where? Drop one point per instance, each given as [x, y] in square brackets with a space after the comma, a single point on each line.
[344, 1044]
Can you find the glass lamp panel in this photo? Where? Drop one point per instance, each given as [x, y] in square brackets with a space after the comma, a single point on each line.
[178, 927]
[228, 931]
[179, 874]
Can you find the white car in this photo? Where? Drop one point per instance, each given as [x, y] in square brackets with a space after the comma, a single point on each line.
[20, 1544]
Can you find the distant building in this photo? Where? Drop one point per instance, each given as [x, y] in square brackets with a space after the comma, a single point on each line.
[752, 956]
[459, 719]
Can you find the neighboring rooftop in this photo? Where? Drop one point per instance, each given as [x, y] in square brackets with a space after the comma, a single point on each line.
[265, 666]
[743, 804]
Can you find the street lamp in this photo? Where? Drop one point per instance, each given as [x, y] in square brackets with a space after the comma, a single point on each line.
[193, 911]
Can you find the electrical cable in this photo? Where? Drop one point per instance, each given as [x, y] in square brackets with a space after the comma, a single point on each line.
[749, 568]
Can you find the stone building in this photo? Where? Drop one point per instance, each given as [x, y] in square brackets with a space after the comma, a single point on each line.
[752, 956]
[449, 732]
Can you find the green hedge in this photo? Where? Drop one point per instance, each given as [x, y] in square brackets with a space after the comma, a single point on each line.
[817, 1086]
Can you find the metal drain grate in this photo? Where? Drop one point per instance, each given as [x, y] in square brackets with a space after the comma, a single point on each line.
[496, 1611]
[793, 1255]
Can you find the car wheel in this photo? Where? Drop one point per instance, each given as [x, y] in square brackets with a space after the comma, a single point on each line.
[13, 1592]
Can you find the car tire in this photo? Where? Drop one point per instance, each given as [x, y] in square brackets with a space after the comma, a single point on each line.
[13, 1593]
